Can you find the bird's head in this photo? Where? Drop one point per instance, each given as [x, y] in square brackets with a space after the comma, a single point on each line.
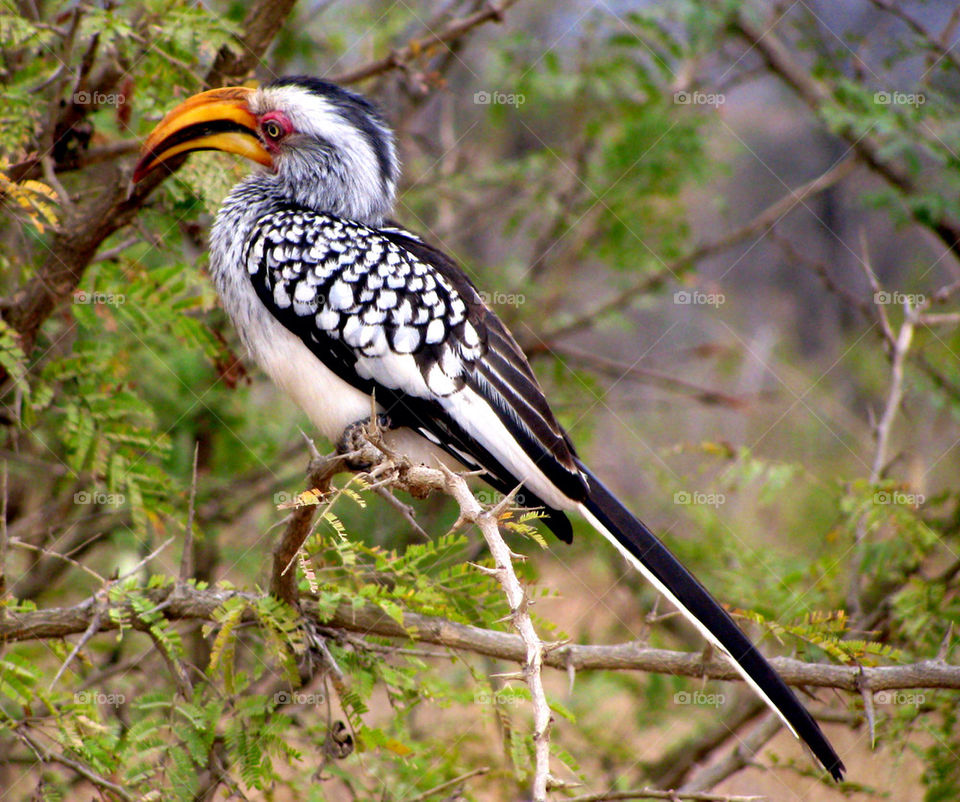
[327, 148]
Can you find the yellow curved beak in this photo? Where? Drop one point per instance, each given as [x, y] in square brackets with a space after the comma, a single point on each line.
[218, 119]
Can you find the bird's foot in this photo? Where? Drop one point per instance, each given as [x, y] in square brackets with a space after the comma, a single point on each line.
[360, 441]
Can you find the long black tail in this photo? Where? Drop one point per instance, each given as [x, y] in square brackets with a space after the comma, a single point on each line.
[654, 560]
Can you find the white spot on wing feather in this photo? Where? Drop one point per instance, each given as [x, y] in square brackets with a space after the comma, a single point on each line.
[435, 331]
[328, 319]
[406, 339]
[304, 292]
[352, 331]
[340, 295]
[280, 296]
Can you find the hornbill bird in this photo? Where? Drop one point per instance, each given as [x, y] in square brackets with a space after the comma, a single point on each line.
[338, 305]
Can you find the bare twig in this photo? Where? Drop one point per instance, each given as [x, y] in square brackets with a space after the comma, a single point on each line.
[939, 319]
[760, 224]
[404, 509]
[448, 784]
[112, 253]
[672, 767]
[66, 203]
[450, 33]
[620, 370]
[742, 755]
[174, 665]
[901, 347]
[32, 168]
[899, 344]
[875, 313]
[933, 42]
[56, 556]
[91, 630]
[49, 755]
[142, 562]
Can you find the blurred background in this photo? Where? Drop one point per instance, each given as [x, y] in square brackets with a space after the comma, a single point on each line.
[727, 236]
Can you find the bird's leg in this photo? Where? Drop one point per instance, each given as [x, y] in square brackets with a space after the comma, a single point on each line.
[359, 441]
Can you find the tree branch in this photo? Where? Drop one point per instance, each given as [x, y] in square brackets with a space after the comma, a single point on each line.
[759, 225]
[55, 757]
[671, 769]
[740, 756]
[73, 247]
[487, 521]
[816, 95]
[190, 603]
[937, 46]
[450, 33]
[261, 25]
[283, 580]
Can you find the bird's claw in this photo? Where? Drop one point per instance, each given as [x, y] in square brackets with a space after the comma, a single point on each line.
[357, 443]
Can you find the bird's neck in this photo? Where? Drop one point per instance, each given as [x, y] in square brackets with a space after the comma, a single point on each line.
[325, 185]
[262, 193]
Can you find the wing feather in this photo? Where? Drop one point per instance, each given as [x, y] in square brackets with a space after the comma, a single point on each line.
[394, 317]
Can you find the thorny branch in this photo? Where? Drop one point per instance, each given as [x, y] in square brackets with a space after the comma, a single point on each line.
[486, 521]
[419, 481]
[187, 602]
[194, 604]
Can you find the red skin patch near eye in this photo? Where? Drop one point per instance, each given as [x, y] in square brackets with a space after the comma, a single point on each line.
[272, 145]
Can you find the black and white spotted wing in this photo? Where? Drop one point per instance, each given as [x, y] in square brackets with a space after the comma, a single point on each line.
[394, 317]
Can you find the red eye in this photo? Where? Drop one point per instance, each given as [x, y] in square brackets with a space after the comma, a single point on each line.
[275, 126]
[272, 129]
